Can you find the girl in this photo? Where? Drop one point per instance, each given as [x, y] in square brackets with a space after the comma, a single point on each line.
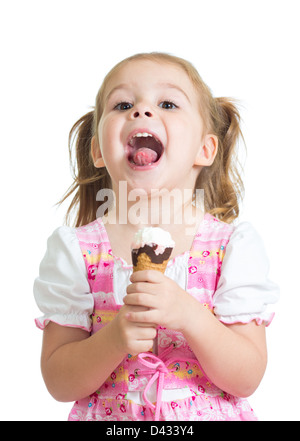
[185, 345]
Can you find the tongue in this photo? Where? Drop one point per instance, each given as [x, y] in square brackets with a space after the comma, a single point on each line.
[144, 156]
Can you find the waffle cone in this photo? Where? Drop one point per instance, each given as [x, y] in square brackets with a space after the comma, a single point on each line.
[144, 262]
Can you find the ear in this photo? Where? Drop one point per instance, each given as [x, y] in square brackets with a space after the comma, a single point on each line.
[208, 151]
[96, 153]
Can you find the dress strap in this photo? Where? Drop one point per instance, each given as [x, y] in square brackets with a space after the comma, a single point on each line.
[96, 251]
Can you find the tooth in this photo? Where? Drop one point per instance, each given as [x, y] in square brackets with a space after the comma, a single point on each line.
[140, 134]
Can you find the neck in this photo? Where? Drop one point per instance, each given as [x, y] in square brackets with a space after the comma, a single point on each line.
[159, 208]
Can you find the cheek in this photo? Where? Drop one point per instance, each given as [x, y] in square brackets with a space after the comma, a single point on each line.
[111, 147]
[185, 133]
[108, 130]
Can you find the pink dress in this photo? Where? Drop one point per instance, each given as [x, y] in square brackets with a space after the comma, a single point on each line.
[174, 366]
[82, 284]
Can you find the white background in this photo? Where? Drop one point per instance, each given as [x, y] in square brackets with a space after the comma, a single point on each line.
[54, 56]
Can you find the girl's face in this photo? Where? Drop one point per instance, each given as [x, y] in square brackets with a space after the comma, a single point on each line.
[158, 99]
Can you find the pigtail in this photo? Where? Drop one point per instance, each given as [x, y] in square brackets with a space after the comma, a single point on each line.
[87, 178]
[222, 183]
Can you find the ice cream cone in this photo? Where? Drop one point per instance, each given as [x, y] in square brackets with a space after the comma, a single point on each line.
[151, 249]
[142, 261]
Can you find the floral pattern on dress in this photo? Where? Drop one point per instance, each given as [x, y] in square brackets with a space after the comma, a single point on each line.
[207, 402]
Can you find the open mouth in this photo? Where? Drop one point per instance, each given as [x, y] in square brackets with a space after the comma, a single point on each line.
[144, 149]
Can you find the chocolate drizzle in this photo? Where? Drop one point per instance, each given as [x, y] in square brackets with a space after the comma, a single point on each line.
[150, 251]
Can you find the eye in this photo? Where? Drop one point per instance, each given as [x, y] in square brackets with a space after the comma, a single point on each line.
[123, 106]
[167, 105]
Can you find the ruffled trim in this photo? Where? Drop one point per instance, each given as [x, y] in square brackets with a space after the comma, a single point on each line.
[261, 319]
[71, 321]
[122, 262]
[198, 407]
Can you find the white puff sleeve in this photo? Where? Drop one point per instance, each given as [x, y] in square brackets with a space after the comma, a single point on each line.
[62, 291]
[244, 290]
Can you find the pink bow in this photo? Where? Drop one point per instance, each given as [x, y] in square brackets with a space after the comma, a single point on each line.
[160, 370]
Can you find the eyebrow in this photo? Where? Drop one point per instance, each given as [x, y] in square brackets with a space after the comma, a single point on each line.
[162, 85]
[173, 86]
[120, 86]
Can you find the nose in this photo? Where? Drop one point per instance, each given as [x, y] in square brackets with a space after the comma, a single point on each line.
[141, 110]
[136, 114]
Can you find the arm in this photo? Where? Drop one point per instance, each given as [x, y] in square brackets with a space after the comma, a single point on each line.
[72, 362]
[233, 357]
[75, 364]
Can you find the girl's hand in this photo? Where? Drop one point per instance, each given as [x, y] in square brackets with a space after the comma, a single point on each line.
[131, 337]
[167, 304]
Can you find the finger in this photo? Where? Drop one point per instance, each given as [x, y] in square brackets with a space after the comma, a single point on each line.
[140, 299]
[147, 276]
[142, 316]
[145, 325]
[142, 287]
[134, 308]
[141, 346]
[145, 333]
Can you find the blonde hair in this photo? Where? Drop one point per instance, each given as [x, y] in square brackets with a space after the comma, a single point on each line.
[221, 182]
